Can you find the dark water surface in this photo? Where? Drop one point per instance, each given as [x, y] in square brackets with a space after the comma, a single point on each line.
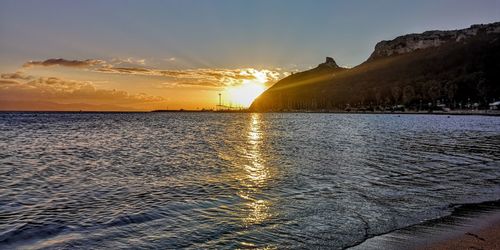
[209, 180]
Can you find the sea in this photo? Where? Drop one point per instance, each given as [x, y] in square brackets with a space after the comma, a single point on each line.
[235, 180]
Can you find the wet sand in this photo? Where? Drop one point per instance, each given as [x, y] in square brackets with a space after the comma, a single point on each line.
[484, 238]
[472, 226]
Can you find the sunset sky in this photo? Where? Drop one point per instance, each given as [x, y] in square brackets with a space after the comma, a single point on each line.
[144, 55]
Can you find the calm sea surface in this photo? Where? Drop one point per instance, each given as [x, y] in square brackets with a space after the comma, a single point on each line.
[208, 180]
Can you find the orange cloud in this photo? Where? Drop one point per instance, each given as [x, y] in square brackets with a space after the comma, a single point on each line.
[200, 77]
[8, 82]
[214, 78]
[16, 75]
[69, 92]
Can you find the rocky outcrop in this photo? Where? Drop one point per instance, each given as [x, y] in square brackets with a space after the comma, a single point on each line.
[324, 70]
[330, 63]
[409, 43]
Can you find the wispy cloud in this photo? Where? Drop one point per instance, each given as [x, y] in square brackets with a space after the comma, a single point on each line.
[188, 73]
[201, 77]
[16, 75]
[64, 62]
[128, 61]
[8, 82]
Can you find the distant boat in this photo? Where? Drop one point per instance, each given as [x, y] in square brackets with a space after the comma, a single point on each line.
[495, 105]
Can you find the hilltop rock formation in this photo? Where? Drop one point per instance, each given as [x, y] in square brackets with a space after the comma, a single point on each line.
[437, 67]
[329, 63]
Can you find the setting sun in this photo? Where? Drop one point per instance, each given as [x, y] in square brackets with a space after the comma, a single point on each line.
[244, 94]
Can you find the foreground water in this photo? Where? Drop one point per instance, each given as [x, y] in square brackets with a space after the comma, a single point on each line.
[209, 180]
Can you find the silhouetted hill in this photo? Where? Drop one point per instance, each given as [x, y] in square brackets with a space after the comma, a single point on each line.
[451, 67]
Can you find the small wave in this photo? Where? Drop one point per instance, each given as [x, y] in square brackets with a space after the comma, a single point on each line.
[128, 219]
[31, 231]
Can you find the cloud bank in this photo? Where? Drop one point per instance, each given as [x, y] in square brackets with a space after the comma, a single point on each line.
[204, 77]
[65, 92]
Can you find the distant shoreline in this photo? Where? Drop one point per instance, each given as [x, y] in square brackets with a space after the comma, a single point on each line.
[457, 112]
[480, 112]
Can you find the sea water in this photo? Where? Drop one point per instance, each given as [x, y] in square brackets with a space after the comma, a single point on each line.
[235, 180]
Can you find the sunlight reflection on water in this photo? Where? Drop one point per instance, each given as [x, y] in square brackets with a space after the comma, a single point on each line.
[256, 174]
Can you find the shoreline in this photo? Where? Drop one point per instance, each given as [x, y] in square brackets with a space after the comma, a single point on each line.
[469, 226]
[452, 113]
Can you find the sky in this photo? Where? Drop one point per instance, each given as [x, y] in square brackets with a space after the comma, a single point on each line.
[144, 55]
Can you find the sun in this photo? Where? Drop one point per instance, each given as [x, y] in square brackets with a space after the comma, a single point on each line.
[244, 94]
[254, 83]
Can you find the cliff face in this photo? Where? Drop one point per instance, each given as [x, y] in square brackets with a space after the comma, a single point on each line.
[412, 42]
[450, 67]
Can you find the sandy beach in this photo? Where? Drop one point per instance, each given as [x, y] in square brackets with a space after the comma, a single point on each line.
[471, 226]
[487, 237]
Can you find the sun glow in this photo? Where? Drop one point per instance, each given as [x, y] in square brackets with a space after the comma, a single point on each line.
[244, 94]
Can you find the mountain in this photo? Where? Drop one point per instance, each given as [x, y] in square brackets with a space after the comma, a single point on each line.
[424, 70]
